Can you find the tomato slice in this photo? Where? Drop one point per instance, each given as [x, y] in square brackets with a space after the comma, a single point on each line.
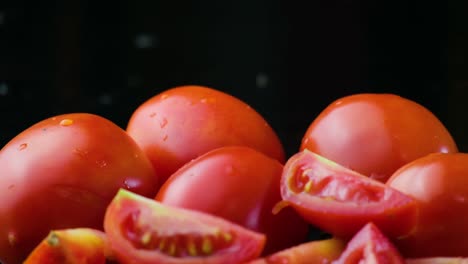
[142, 230]
[370, 245]
[72, 246]
[341, 201]
[437, 260]
[318, 251]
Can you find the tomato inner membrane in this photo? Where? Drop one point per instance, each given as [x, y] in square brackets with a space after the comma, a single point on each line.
[175, 245]
[336, 186]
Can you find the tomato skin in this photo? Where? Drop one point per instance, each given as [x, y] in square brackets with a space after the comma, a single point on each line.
[439, 183]
[370, 246]
[375, 134]
[61, 173]
[437, 260]
[341, 201]
[175, 224]
[318, 252]
[184, 122]
[239, 184]
[71, 246]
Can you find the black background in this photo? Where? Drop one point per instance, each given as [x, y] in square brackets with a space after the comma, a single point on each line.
[288, 60]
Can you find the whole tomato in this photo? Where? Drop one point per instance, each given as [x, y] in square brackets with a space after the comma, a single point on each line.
[184, 122]
[61, 173]
[375, 134]
[439, 183]
[240, 184]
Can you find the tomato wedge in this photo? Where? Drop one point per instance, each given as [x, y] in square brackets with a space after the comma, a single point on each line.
[318, 252]
[71, 246]
[142, 230]
[341, 201]
[370, 246]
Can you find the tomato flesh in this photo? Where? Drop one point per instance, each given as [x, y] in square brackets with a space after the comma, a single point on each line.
[142, 230]
[341, 201]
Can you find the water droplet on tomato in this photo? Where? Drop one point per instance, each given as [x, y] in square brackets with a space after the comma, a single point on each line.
[66, 122]
[152, 115]
[130, 184]
[164, 96]
[23, 146]
[163, 123]
[165, 137]
[101, 163]
[12, 238]
[80, 152]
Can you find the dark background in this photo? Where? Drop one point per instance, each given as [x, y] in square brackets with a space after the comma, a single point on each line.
[287, 60]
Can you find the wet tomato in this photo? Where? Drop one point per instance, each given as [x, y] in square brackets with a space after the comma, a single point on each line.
[239, 184]
[341, 201]
[375, 134]
[439, 183]
[142, 230]
[184, 122]
[317, 252]
[61, 173]
[72, 246]
[370, 246]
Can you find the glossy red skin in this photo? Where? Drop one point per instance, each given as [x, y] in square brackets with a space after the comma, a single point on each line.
[62, 176]
[334, 207]
[439, 182]
[184, 122]
[71, 246]
[370, 246]
[247, 245]
[375, 134]
[317, 252]
[437, 260]
[239, 184]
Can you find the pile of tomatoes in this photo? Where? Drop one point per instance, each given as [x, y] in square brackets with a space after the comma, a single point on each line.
[198, 176]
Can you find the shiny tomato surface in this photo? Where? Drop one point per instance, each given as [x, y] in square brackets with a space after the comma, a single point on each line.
[439, 183]
[61, 173]
[239, 184]
[184, 122]
[375, 134]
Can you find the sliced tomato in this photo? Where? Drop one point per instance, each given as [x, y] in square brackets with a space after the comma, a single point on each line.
[142, 230]
[71, 246]
[370, 246]
[318, 252]
[341, 201]
[437, 260]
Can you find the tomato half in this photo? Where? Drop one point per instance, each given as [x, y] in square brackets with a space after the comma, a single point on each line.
[439, 182]
[375, 134]
[239, 184]
[72, 246]
[61, 173]
[370, 246]
[184, 122]
[341, 201]
[142, 230]
[317, 252]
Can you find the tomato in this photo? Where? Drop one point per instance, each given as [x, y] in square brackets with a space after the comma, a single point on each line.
[71, 246]
[439, 183]
[239, 184]
[317, 252]
[375, 134]
[61, 173]
[341, 201]
[184, 122]
[437, 260]
[370, 246]
[142, 230]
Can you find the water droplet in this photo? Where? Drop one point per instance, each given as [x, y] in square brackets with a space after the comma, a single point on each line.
[165, 137]
[66, 122]
[131, 183]
[152, 115]
[3, 89]
[80, 152]
[163, 122]
[23, 146]
[12, 238]
[145, 41]
[164, 96]
[101, 163]
[105, 99]
[262, 80]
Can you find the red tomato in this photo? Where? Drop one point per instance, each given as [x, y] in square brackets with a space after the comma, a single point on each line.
[71, 246]
[341, 201]
[439, 182]
[375, 134]
[239, 184]
[437, 260]
[316, 252]
[370, 246]
[61, 173]
[142, 230]
[182, 123]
